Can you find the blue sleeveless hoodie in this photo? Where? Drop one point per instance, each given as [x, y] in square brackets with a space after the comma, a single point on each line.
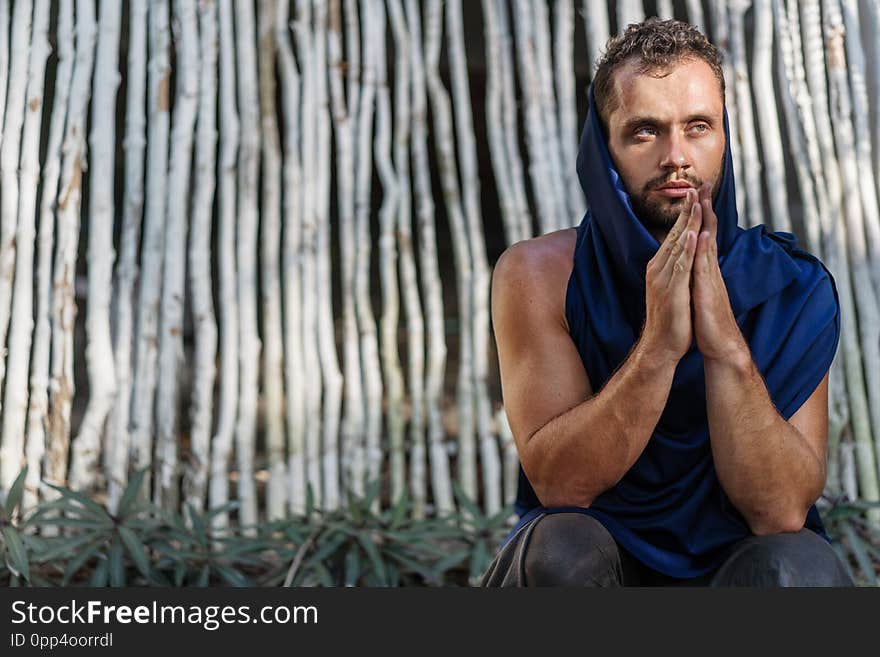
[669, 509]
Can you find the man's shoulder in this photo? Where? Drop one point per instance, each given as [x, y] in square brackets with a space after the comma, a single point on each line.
[543, 260]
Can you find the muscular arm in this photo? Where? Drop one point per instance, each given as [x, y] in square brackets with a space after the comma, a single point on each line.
[772, 470]
[573, 444]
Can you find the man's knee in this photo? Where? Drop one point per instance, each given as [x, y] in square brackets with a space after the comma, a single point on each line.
[783, 560]
[571, 549]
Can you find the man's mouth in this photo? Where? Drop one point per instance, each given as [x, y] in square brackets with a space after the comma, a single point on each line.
[675, 189]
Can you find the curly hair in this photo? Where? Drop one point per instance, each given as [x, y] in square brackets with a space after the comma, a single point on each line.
[656, 44]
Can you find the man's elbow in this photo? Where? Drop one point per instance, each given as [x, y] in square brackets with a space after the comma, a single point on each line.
[780, 522]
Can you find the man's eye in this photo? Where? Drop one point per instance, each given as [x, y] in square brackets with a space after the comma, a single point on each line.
[646, 131]
[701, 127]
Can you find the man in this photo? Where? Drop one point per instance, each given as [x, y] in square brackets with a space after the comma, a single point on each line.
[664, 372]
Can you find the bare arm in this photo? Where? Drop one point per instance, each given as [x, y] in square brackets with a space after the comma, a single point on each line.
[772, 470]
[574, 445]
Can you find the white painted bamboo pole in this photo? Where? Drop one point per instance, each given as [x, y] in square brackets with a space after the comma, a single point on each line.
[565, 93]
[597, 27]
[4, 59]
[868, 349]
[153, 243]
[814, 199]
[22, 324]
[221, 447]
[510, 122]
[332, 374]
[695, 14]
[412, 304]
[246, 255]
[752, 168]
[494, 124]
[540, 169]
[201, 411]
[345, 124]
[10, 460]
[38, 408]
[772, 157]
[431, 283]
[467, 153]
[856, 66]
[665, 9]
[312, 364]
[721, 38]
[166, 470]
[511, 457]
[86, 447]
[134, 144]
[294, 379]
[370, 365]
[445, 148]
[270, 250]
[550, 124]
[629, 11]
[874, 13]
[61, 385]
[388, 261]
[848, 477]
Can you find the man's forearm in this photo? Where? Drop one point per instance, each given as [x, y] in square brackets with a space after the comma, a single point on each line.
[585, 451]
[766, 467]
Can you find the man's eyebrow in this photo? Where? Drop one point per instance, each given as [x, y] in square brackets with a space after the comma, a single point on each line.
[636, 121]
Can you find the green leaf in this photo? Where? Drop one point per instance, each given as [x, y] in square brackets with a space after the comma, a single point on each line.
[452, 561]
[352, 566]
[16, 560]
[198, 524]
[99, 576]
[15, 493]
[179, 573]
[373, 553]
[857, 546]
[86, 503]
[426, 572]
[465, 501]
[63, 547]
[131, 492]
[371, 494]
[357, 517]
[398, 513]
[135, 549]
[480, 559]
[232, 576]
[204, 576]
[73, 566]
[116, 565]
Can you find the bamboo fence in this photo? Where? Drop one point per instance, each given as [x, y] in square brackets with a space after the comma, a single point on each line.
[248, 245]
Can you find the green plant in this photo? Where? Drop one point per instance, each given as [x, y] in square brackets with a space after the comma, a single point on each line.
[855, 538]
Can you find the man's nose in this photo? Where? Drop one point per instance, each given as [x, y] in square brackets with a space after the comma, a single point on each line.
[675, 154]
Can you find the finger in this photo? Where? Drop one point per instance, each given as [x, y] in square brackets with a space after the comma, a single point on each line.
[677, 249]
[710, 219]
[679, 227]
[685, 262]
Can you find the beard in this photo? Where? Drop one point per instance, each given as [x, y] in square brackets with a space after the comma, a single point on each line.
[658, 213]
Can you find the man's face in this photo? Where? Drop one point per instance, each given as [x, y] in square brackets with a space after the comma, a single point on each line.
[666, 130]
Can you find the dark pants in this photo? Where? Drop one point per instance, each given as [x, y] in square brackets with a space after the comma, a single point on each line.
[574, 549]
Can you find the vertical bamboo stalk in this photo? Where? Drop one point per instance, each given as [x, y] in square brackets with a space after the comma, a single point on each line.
[312, 364]
[861, 115]
[568, 128]
[752, 167]
[345, 124]
[768, 116]
[547, 102]
[665, 9]
[865, 296]
[21, 328]
[388, 260]
[86, 446]
[366, 321]
[200, 279]
[39, 381]
[61, 385]
[443, 139]
[540, 168]
[511, 457]
[695, 14]
[326, 329]
[510, 123]
[246, 251]
[291, 263]
[415, 323]
[270, 249]
[597, 28]
[221, 451]
[126, 264]
[11, 460]
[467, 151]
[721, 33]
[629, 11]
[171, 358]
[150, 281]
[441, 481]
[4, 59]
